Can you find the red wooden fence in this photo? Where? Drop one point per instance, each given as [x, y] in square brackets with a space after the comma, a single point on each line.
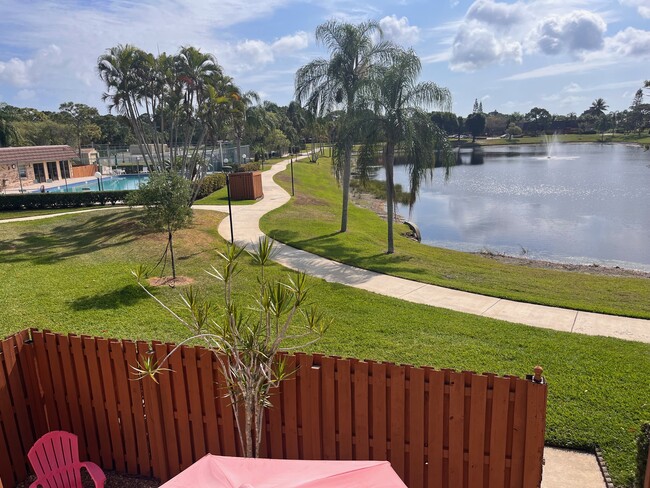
[437, 428]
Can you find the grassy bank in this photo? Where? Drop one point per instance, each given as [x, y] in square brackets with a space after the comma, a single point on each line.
[71, 274]
[311, 221]
[624, 138]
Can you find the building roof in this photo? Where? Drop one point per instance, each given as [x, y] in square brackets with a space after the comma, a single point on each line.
[35, 154]
[88, 150]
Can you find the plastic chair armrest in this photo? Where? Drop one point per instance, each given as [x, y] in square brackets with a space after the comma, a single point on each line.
[96, 473]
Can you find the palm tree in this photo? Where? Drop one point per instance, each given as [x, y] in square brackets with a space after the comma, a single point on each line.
[598, 107]
[323, 85]
[240, 108]
[398, 100]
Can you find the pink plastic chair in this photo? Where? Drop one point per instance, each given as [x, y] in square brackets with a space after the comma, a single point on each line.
[55, 459]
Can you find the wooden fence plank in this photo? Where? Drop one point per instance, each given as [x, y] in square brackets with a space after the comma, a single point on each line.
[209, 400]
[498, 432]
[137, 410]
[7, 419]
[95, 384]
[344, 408]
[108, 386]
[435, 431]
[154, 418]
[274, 428]
[43, 371]
[170, 433]
[477, 429]
[361, 411]
[304, 414]
[456, 428]
[518, 433]
[397, 418]
[194, 403]
[230, 437]
[35, 394]
[15, 379]
[85, 399]
[290, 409]
[54, 364]
[181, 410]
[379, 412]
[534, 443]
[328, 408]
[72, 394]
[416, 428]
[315, 425]
[124, 405]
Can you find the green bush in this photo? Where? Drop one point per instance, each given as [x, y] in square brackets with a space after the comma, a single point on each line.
[246, 167]
[30, 201]
[210, 184]
[643, 444]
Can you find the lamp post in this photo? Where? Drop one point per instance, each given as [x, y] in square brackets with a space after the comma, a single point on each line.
[98, 175]
[292, 188]
[243, 156]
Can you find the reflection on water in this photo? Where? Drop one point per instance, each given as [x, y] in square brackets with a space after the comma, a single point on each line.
[589, 203]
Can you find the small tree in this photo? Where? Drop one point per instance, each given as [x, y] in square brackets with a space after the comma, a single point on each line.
[166, 199]
[475, 123]
[513, 130]
[246, 341]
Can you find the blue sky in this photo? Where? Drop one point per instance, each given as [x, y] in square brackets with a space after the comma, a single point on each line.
[511, 55]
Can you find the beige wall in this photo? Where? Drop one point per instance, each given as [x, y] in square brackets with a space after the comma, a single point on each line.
[9, 174]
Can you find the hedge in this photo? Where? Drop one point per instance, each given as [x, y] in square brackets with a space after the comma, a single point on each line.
[28, 201]
[210, 184]
[240, 168]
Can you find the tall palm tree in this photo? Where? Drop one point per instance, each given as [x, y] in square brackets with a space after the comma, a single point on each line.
[325, 85]
[598, 107]
[398, 101]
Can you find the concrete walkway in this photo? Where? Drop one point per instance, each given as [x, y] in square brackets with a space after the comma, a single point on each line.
[247, 231]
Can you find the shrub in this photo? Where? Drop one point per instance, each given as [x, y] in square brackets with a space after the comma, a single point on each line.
[246, 167]
[210, 184]
[29, 201]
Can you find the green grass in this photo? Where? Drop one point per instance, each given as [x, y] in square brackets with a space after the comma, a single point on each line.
[72, 275]
[311, 221]
[16, 214]
[628, 138]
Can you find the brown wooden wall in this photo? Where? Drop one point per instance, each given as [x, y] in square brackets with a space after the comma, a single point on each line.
[84, 171]
[246, 185]
[437, 428]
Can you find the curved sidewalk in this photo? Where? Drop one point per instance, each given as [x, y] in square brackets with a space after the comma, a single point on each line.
[246, 228]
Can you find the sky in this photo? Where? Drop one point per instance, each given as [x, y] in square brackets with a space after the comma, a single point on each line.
[510, 55]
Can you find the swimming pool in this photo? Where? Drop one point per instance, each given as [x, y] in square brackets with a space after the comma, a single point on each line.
[109, 183]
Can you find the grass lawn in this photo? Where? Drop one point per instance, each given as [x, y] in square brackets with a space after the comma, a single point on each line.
[71, 274]
[311, 221]
[16, 214]
[628, 138]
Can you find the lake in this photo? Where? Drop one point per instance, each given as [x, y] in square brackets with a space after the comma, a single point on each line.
[586, 204]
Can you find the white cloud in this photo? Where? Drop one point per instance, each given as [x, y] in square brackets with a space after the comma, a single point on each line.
[15, 71]
[23, 72]
[254, 52]
[578, 31]
[561, 69]
[399, 30]
[630, 42]
[572, 88]
[476, 46]
[641, 5]
[292, 43]
[497, 14]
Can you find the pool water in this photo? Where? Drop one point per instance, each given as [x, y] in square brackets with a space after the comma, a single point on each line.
[108, 183]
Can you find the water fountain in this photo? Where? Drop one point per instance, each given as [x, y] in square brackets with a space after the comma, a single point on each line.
[552, 144]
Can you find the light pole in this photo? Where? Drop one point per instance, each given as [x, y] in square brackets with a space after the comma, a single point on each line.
[292, 188]
[98, 175]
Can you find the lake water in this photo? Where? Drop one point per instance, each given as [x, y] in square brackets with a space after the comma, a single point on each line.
[589, 203]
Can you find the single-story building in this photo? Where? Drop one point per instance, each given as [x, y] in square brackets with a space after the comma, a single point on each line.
[89, 155]
[34, 164]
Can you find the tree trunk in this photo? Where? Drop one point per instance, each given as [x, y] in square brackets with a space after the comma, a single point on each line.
[171, 251]
[390, 191]
[347, 169]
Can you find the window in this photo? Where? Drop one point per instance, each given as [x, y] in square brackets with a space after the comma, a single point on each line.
[22, 171]
[65, 169]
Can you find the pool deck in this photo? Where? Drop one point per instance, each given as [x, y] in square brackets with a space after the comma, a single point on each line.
[54, 184]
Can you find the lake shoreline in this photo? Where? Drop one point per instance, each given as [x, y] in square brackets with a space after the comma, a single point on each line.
[378, 206]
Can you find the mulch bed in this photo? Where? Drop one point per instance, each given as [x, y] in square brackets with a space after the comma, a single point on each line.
[113, 480]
